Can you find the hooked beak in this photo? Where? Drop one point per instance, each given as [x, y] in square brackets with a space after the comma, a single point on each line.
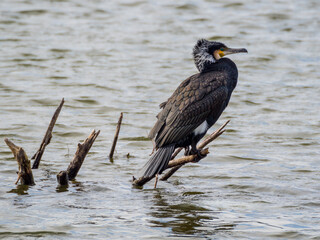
[228, 51]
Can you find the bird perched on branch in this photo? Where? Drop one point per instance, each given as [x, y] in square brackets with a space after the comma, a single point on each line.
[195, 105]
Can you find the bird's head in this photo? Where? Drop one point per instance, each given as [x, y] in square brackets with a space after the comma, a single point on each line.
[207, 52]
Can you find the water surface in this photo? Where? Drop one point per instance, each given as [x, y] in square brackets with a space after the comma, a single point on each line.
[261, 179]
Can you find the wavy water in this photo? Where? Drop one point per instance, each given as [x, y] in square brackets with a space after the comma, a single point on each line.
[261, 179]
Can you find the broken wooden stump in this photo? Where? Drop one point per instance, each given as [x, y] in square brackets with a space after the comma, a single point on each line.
[25, 173]
[78, 159]
[115, 139]
[80, 155]
[47, 137]
[176, 164]
[62, 178]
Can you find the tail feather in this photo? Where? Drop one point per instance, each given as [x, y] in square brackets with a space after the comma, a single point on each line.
[158, 162]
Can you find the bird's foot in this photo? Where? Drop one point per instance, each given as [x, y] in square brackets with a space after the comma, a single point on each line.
[187, 151]
[198, 153]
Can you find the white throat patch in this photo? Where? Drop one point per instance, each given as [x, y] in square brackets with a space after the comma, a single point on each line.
[201, 56]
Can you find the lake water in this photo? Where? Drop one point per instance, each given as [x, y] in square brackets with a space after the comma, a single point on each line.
[262, 177]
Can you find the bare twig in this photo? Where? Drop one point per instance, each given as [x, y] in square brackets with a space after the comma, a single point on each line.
[204, 143]
[140, 181]
[25, 173]
[47, 137]
[80, 155]
[176, 152]
[168, 174]
[176, 164]
[187, 159]
[116, 137]
[213, 136]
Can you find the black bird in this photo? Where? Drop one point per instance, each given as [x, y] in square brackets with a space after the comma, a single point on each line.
[195, 105]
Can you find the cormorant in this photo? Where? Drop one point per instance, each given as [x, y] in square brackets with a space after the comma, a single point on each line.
[195, 105]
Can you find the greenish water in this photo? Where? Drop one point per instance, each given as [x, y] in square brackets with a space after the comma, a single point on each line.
[261, 179]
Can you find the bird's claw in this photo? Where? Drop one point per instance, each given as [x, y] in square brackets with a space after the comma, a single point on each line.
[199, 155]
[187, 151]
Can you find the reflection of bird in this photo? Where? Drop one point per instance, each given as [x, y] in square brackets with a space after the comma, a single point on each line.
[195, 105]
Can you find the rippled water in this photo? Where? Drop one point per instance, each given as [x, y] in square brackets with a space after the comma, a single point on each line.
[261, 179]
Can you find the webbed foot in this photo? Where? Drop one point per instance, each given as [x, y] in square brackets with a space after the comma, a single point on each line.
[198, 153]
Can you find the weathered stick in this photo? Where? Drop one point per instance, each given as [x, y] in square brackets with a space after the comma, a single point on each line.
[25, 173]
[176, 164]
[47, 137]
[140, 181]
[80, 155]
[176, 152]
[116, 137]
[187, 159]
[213, 135]
[168, 174]
[204, 143]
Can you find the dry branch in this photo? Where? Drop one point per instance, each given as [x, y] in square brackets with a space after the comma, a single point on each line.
[76, 163]
[25, 173]
[80, 155]
[115, 139]
[204, 143]
[47, 137]
[176, 164]
[187, 159]
[168, 174]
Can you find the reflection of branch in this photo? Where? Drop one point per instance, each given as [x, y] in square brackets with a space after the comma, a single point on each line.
[25, 173]
[175, 164]
[116, 137]
[47, 137]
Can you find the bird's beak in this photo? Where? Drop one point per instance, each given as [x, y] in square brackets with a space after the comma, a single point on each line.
[228, 51]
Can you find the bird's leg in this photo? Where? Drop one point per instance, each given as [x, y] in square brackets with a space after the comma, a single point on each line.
[19, 176]
[187, 150]
[194, 150]
[156, 181]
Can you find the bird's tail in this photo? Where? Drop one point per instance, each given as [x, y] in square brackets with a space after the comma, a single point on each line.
[158, 162]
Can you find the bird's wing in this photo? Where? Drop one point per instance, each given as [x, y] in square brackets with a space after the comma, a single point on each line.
[181, 122]
[187, 108]
[167, 105]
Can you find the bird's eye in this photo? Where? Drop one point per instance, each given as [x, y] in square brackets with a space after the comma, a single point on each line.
[221, 49]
